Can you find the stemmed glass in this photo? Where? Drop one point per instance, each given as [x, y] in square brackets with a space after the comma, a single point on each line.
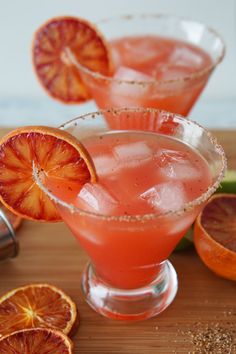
[129, 276]
[175, 94]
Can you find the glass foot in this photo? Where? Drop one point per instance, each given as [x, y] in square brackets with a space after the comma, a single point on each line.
[135, 304]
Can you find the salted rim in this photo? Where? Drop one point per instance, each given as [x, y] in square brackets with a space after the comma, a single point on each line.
[151, 216]
[188, 77]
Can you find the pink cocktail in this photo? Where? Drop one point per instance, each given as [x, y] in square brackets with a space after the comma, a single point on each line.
[151, 185]
[159, 61]
[138, 173]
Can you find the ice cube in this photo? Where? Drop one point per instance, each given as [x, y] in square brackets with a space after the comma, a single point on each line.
[133, 154]
[183, 172]
[167, 156]
[177, 165]
[132, 89]
[186, 57]
[142, 52]
[105, 165]
[165, 196]
[181, 62]
[171, 72]
[125, 73]
[96, 198]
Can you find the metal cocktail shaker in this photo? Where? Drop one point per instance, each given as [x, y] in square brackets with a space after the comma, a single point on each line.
[9, 246]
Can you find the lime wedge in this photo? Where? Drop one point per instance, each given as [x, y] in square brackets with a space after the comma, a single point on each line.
[186, 241]
[228, 184]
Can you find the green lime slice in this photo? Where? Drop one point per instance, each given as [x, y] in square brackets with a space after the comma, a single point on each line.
[228, 184]
[186, 241]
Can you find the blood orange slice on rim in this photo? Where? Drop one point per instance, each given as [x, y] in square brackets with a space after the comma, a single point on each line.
[215, 235]
[37, 305]
[57, 153]
[54, 69]
[36, 341]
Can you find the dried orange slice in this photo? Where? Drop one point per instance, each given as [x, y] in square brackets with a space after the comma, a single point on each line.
[56, 152]
[54, 69]
[37, 306]
[215, 235]
[14, 219]
[36, 341]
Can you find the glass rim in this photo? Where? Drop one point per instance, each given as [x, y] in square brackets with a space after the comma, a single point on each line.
[142, 217]
[194, 75]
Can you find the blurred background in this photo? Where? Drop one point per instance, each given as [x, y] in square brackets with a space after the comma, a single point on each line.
[22, 100]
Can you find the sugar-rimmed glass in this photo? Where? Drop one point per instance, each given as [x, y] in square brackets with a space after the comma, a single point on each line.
[150, 287]
[175, 95]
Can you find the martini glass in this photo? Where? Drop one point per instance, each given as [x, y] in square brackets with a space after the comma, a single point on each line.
[129, 276]
[175, 92]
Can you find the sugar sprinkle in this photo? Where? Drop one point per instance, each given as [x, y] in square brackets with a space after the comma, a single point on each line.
[213, 339]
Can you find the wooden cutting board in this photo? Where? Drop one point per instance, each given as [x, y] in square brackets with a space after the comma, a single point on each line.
[49, 253]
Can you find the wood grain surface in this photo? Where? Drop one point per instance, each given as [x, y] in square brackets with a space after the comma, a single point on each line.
[49, 253]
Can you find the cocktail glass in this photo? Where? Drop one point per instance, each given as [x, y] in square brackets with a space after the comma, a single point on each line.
[129, 276]
[175, 94]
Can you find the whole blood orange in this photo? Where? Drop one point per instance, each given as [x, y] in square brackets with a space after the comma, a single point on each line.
[37, 306]
[56, 153]
[215, 235]
[54, 69]
[36, 341]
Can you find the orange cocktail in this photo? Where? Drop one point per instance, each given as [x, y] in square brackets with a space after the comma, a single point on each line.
[151, 184]
[138, 173]
[154, 61]
[159, 61]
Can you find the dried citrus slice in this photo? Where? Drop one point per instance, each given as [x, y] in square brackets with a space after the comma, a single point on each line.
[54, 151]
[37, 306]
[36, 341]
[15, 220]
[56, 72]
[215, 235]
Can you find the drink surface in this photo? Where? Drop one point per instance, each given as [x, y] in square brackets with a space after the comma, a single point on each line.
[138, 173]
[148, 58]
[142, 173]
[156, 57]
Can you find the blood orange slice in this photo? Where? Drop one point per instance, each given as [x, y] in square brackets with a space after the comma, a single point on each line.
[215, 235]
[59, 154]
[37, 306]
[56, 72]
[36, 341]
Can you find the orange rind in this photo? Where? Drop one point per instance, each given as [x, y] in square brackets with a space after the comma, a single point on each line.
[215, 235]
